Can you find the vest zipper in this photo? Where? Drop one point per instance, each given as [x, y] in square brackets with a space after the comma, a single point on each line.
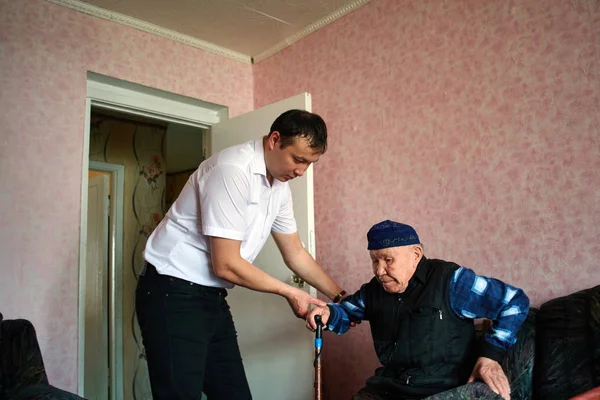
[398, 304]
[394, 331]
[439, 311]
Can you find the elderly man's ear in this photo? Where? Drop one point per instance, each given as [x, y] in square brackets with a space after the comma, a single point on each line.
[418, 252]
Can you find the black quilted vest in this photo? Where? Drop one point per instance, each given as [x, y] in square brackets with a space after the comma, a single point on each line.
[423, 346]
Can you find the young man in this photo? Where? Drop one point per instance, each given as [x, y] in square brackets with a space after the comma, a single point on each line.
[206, 244]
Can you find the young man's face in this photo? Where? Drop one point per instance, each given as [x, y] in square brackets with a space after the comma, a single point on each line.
[293, 160]
[394, 266]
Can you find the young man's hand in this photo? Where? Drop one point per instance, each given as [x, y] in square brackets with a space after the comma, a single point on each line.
[299, 301]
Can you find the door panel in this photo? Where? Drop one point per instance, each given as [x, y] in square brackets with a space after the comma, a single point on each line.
[96, 379]
[276, 347]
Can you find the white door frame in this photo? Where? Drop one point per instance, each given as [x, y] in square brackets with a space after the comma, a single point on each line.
[115, 275]
[111, 93]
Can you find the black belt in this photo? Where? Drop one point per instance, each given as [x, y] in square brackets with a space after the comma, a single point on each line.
[151, 272]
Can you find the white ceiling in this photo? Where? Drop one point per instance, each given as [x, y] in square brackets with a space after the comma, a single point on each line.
[250, 27]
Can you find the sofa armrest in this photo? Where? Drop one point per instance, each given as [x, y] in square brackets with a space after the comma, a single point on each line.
[475, 390]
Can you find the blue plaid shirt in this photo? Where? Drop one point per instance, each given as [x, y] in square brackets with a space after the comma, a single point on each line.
[471, 296]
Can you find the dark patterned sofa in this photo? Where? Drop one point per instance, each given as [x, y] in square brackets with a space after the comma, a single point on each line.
[557, 354]
[22, 373]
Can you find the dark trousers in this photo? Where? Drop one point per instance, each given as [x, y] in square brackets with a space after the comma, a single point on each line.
[190, 340]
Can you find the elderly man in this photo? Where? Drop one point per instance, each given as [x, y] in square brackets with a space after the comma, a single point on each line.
[421, 315]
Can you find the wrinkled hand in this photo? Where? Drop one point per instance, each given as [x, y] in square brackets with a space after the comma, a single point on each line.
[492, 374]
[299, 301]
[310, 320]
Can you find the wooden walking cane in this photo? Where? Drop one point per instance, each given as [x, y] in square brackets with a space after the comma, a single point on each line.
[318, 346]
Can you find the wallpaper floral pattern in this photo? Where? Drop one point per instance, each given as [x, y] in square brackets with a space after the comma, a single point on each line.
[475, 121]
[45, 53]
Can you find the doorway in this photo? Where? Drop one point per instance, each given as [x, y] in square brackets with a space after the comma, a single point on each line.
[143, 155]
[291, 345]
[156, 158]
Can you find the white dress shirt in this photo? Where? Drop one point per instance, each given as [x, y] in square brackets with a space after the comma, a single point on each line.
[228, 196]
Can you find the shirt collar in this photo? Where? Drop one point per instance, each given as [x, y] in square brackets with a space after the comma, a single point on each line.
[259, 166]
[421, 271]
[420, 276]
[258, 162]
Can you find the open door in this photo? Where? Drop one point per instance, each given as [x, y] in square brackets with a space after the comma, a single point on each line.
[276, 347]
[96, 370]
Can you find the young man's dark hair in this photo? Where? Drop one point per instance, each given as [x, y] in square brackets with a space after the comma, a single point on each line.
[303, 124]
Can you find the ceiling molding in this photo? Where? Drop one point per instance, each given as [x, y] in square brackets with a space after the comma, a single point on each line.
[135, 23]
[151, 28]
[337, 14]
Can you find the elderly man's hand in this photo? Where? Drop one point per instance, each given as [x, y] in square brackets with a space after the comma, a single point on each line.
[492, 374]
[310, 319]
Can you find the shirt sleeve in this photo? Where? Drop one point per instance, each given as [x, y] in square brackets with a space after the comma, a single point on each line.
[351, 309]
[473, 296]
[224, 198]
[285, 221]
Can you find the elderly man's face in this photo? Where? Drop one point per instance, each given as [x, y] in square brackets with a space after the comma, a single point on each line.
[394, 266]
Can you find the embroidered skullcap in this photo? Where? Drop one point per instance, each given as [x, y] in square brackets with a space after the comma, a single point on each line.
[391, 234]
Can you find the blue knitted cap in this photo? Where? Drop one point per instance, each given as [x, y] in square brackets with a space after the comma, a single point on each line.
[391, 234]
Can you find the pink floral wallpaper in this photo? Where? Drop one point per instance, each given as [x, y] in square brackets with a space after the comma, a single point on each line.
[45, 52]
[475, 121]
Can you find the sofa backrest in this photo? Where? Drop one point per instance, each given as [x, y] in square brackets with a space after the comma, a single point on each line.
[21, 363]
[568, 345]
